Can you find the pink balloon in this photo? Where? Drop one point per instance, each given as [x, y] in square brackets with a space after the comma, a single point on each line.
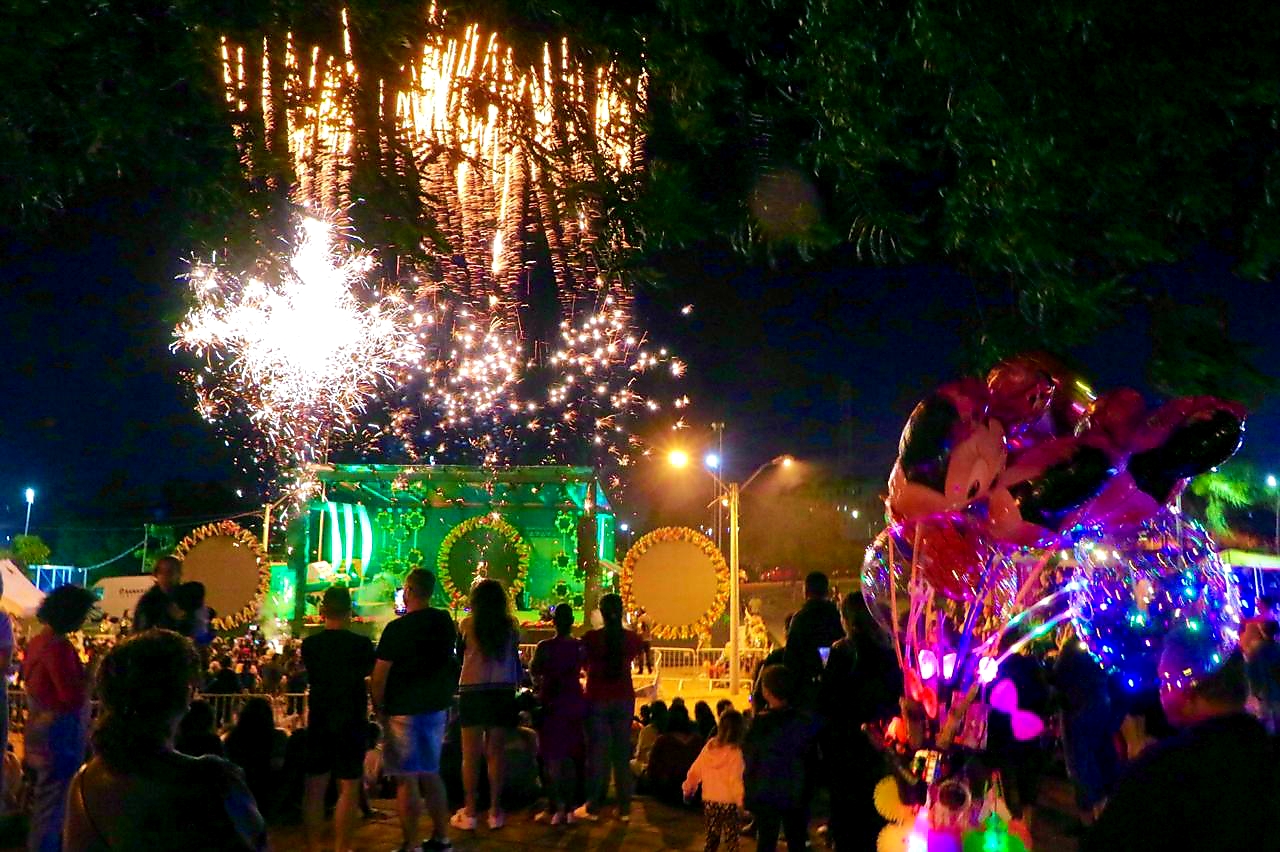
[1004, 696]
[1025, 725]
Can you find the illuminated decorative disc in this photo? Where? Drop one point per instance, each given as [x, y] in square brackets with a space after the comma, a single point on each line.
[679, 578]
[229, 561]
[483, 545]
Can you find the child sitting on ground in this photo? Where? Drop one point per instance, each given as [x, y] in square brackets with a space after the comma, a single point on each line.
[718, 770]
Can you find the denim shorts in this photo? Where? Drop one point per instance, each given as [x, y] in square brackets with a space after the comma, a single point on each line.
[411, 744]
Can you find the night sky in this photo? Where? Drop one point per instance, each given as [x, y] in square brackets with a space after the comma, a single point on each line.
[97, 420]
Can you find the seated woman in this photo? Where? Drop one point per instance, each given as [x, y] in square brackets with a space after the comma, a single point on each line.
[673, 754]
[196, 736]
[258, 747]
[138, 792]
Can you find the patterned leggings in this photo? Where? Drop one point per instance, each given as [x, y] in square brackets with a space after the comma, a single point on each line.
[722, 824]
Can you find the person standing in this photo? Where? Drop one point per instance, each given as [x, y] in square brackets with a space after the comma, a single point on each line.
[413, 682]
[337, 718]
[58, 696]
[815, 627]
[1211, 786]
[487, 708]
[611, 699]
[6, 660]
[644, 626]
[718, 770]
[779, 755]
[158, 608]
[860, 685]
[557, 671]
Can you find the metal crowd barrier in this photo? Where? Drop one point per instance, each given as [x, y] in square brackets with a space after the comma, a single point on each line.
[290, 709]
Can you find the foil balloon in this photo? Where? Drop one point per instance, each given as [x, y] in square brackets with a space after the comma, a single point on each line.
[950, 453]
[1183, 438]
[1131, 590]
[1036, 397]
[950, 552]
[941, 587]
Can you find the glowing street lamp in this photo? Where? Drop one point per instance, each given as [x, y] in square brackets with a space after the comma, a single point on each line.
[730, 496]
[712, 461]
[31, 498]
[1271, 484]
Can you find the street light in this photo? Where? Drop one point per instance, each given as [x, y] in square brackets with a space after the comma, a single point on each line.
[731, 492]
[31, 498]
[712, 461]
[1271, 484]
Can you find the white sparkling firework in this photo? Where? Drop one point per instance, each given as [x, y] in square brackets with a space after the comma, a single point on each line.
[301, 356]
[500, 146]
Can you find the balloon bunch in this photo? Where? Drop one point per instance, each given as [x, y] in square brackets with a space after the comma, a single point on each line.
[995, 480]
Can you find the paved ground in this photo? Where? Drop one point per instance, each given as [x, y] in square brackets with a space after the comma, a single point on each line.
[653, 827]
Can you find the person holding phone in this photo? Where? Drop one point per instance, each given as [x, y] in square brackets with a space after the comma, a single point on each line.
[816, 625]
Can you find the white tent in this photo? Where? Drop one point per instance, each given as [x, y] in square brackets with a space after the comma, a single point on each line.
[21, 597]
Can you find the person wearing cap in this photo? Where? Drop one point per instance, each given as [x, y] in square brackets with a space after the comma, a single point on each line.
[1211, 786]
[338, 661]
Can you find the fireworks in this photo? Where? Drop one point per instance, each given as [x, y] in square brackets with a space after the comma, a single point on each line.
[299, 357]
[525, 348]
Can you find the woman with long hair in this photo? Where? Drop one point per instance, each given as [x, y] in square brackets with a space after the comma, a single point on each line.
[138, 792]
[557, 672]
[257, 746]
[487, 697]
[58, 692]
[860, 685]
[611, 698]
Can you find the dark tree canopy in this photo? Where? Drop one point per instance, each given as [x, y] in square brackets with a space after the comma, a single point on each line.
[1049, 151]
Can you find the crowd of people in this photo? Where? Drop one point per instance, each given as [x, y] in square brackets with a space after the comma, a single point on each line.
[439, 711]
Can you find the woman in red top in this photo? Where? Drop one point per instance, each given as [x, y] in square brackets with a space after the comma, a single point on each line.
[58, 696]
[612, 700]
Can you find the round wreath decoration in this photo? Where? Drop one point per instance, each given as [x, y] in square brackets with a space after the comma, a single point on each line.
[230, 529]
[456, 534]
[666, 534]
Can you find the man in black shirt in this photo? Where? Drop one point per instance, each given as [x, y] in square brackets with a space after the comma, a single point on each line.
[338, 662]
[1212, 786]
[816, 626]
[157, 608]
[413, 683]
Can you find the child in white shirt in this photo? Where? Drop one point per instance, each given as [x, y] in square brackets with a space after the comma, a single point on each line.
[718, 770]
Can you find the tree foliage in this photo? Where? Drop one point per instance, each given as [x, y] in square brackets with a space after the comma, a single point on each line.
[1048, 150]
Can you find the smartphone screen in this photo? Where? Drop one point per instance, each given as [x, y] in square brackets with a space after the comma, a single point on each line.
[824, 653]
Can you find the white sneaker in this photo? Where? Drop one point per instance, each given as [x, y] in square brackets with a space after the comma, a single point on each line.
[559, 818]
[497, 819]
[582, 814]
[463, 821]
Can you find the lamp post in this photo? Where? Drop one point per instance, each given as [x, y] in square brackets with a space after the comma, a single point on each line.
[1271, 485]
[31, 498]
[731, 493]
